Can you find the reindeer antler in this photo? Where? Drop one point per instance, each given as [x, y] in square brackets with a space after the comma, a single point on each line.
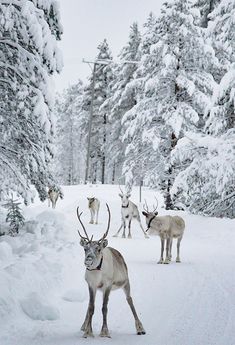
[155, 207]
[145, 206]
[108, 226]
[120, 188]
[79, 218]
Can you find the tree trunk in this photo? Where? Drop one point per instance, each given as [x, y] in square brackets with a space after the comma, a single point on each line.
[168, 199]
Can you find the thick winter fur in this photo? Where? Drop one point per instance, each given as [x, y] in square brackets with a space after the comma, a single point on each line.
[94, 206]
[106, 270]
[167, 228]
[128, 211]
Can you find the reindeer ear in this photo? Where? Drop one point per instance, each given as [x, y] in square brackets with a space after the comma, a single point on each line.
[128, 195]
[120, 195]
[144, 213]
[83, 242]
[104, 243]
[156, 213]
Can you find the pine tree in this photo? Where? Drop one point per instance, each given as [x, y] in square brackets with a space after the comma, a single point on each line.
[29, 56]
[176, 91]
[121, 100]
[222, 28]
[14, 216]
[102, 79]
[70, 135]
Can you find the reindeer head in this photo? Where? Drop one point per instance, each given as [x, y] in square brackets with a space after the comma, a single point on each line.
[90, 201]
[150, 214]
[125, 197]
[93, 249]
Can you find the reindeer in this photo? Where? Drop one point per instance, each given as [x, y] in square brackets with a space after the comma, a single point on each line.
[128, 211]
[167, 228]
[53, 194]
[106, 270]
[94, 206]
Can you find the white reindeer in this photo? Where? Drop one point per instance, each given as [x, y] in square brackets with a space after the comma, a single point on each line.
[167, 228]
[105, 270]
[94, 206]
[53, 194]
[128, 211]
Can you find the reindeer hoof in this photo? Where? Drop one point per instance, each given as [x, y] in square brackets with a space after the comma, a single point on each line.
[105, 334]
[160, 262]
[178, 260]
[115, 235]
[141, 333]
[129, 236]
[88, 334]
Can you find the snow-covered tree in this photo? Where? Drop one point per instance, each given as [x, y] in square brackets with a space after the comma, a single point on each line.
[28, 57]
[206, 183]
[206, 186]
[176, 91]
[220, 113]
[14, 216]
[101, 84]
[122, 98]
[70, 135]
[205, 7]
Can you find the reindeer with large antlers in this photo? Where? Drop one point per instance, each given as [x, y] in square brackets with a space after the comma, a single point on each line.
[128, 211]
[167, 228]
[105, 270]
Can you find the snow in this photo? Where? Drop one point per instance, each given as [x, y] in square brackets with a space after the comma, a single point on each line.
[36, 310]
[44, 295]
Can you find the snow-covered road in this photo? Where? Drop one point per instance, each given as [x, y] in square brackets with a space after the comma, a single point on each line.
[44, 297]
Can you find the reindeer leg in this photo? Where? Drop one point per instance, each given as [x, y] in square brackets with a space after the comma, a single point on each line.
[118, 230]
[87, 325]
[104, 330]
[97, 213]
[124, 229]
[139, 327]
[49, 203]
[178, 249]
[129, 229]
[162, 251]
[167, 260]
[92, 217]
[145, 235]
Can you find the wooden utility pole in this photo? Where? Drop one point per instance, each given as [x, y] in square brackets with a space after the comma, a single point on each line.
[90, 124]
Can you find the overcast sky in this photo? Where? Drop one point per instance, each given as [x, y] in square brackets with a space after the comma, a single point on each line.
[87, 22]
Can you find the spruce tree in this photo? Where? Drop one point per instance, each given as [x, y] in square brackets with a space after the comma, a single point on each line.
[29, 56]
[14, 216]
[122, 98]
[102, 78]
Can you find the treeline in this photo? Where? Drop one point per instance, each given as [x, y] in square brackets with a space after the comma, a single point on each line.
[163, 113]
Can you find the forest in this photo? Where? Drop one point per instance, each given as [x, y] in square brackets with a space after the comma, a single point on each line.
[160, 114]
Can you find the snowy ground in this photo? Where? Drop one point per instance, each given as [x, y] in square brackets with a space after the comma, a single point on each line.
[43, 295]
